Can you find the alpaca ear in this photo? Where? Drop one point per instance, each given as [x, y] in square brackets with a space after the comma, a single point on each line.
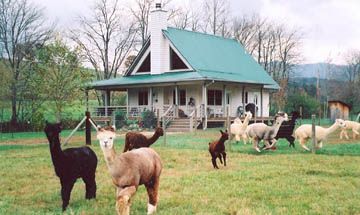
[113, 127]
[221, 132]
[99, 128]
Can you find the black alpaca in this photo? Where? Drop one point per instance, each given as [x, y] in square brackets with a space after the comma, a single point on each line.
[286, 129]
[71, 164]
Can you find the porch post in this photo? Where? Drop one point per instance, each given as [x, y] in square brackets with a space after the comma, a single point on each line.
[261, 100]
[107, 100]
[127, 102]
[243, 99]
[151, 98]
[204, 89]
[176, 100]
[224, 101]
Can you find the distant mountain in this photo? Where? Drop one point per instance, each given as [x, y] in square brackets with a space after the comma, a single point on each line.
[325, 71]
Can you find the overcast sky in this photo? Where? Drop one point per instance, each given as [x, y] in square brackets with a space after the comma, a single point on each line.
[331, 27]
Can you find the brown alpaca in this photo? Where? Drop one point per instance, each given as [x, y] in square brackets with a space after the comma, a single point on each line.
[217, 149]
[135, 140]
[129, 170]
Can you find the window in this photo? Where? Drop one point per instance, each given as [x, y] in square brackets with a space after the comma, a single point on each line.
[145, 66]
[182, 97]
[143, 97]
[175, 61]
[214, 97]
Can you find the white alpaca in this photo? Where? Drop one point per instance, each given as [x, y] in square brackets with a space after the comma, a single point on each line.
[261, 131]
[304, 133]
[238, 128]
[350, 125]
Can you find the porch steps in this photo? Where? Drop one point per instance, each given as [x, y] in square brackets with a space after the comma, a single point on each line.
[179, 125]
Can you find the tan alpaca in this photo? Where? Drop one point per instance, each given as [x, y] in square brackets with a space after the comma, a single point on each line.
[350, 125]
[129, 170]
[304, 133]
[238, 128]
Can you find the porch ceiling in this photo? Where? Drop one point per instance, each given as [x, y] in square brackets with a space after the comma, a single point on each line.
[175, 77]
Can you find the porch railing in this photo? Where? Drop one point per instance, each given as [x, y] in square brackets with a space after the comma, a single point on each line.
[131, 111]
[168, 115]
[196, 116]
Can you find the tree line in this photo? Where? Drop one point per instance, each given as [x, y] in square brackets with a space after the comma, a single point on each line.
[40, 62]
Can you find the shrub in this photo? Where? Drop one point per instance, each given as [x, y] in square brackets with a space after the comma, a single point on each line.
[148, 119]
[120, 118]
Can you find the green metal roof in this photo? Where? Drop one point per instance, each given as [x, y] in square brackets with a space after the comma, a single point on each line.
[211, 53]
[211, 57]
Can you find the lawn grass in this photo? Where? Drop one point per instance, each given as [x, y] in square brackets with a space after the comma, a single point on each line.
[285, 181]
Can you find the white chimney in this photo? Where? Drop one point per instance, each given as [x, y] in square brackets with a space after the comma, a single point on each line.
[159, 46]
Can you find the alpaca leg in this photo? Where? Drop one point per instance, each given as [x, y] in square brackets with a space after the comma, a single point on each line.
[355, 133]
[320, 144]
[152, 190]
[90, 184]
[224, 156]
[291, 140]
[302, 144]
[123, 197]
[213, 160]
[346, 135]
[66, 187]
[255, 144]
[220, 158]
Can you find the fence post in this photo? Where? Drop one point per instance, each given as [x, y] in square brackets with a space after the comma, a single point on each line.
[313, 134]
[164, 128]
[157, 117]
[87, 129]
[228, 122]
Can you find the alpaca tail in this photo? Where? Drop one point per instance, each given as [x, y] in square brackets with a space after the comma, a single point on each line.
[209, 143]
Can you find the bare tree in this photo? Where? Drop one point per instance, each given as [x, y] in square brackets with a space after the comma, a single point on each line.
[104, 38]
[141, 13]
[216, 16]
[353, 66]
[188, 17]
[22, 28]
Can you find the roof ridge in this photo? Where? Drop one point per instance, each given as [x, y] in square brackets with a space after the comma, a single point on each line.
[206, 34]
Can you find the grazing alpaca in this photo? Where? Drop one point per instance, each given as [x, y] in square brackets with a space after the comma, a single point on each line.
[350, 125]
[286, 129]
[261, 131]
[238, 128]
[304, 133]
[135, 140]
[217, 149]
[129, 170]
[71, 164]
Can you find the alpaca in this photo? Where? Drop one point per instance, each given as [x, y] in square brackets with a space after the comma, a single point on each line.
[350, 125]
[287, 128]
[217, 149]
[129, 170]
[304, 133]
[261, 131]
[237, 128]
[135, 140]
[71, 164]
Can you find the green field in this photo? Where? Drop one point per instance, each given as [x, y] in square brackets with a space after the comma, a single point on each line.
[285, 181]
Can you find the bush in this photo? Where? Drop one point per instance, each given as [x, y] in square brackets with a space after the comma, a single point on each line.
[148, 119]
[309, 104]
[120, 118]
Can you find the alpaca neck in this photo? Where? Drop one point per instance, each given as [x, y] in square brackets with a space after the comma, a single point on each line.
[221, 140]
[55, 150]
[276, 126]
[109, 155]
[331, 129]
[246, 121]
[152, 139]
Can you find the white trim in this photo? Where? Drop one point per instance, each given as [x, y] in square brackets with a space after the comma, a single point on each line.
[141, 61]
